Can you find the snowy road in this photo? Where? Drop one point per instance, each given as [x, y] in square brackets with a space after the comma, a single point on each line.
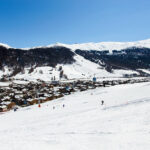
[83, 124]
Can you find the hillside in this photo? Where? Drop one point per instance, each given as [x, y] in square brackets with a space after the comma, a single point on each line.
[83, 124]
[105, 59]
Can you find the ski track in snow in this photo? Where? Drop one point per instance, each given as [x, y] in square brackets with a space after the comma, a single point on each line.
[129, 103]
[123, 123]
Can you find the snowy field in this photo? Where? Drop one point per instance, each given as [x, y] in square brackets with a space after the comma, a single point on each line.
[123, 123]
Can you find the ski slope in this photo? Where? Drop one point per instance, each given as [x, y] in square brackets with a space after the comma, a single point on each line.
[123, 123]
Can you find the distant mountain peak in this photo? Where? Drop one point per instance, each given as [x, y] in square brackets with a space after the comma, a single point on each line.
[4, 45]
[100, 46]
[104, 45]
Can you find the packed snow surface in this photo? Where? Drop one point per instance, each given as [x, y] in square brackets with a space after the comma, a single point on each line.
[123, 123]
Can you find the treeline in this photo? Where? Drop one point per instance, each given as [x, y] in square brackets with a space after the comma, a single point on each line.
[18, 59]
[131, 58]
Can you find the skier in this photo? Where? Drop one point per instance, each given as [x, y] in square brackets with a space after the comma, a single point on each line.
[63, 105]
[39, 103]
[102, 102]
[53, 107]
[15, 109]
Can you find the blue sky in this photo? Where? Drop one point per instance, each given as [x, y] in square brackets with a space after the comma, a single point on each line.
[28, 23]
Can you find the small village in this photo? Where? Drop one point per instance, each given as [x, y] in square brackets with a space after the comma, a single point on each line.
[16, 95]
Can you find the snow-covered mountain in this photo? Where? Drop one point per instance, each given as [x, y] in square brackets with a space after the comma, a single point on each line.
[100, 46]
[5, 45]
[80, 69]
[105, 45]
[104, 59]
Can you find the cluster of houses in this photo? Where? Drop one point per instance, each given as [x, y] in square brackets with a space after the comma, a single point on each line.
[23, 95]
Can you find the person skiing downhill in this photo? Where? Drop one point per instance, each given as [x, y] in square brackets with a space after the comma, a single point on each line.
[15, 109]
[102, 102]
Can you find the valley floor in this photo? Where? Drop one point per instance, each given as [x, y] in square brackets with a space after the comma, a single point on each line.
[123, 123]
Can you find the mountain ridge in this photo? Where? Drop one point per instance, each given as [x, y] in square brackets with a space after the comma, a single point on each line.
[94, 45]
[47, 62]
